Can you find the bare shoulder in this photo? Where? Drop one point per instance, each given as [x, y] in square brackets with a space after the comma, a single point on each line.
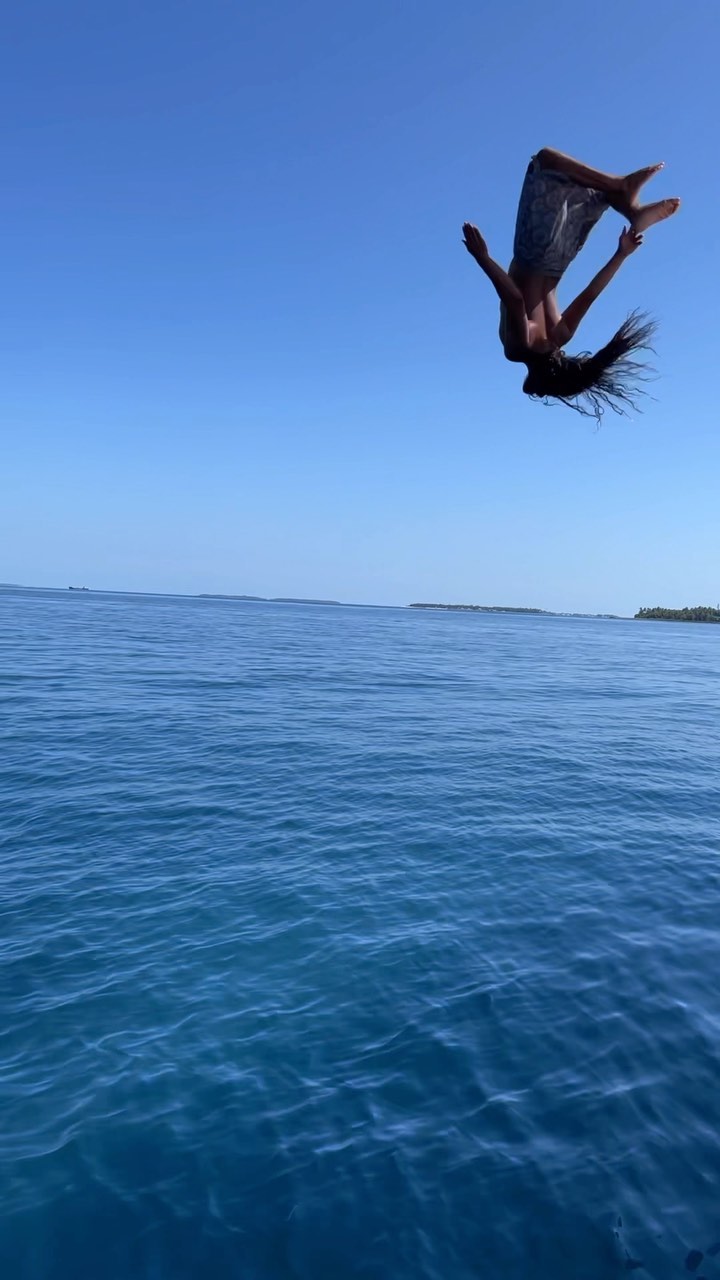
[514, 333]
[514, 354]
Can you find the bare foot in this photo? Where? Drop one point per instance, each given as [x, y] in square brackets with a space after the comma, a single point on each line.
[648, 214]
[634, 181]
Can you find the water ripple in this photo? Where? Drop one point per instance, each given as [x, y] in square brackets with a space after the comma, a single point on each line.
[356, 943]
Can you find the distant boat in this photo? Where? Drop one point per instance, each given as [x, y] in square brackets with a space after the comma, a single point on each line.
[78, 588]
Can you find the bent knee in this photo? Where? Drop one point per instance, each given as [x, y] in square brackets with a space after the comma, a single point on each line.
[545, 157]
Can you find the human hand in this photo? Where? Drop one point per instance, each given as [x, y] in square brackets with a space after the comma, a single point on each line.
[629, 241]
[474, 242]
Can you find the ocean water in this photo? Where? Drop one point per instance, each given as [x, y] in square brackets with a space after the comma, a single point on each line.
[356, 943]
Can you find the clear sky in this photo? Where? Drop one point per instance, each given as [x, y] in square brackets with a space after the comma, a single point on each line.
[243, 349]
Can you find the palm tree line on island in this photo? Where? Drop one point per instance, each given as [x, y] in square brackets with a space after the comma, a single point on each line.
[699, 613]
[656, 613]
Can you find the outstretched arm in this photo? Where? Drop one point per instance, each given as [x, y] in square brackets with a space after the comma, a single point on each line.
[505, 288]
[569, 321]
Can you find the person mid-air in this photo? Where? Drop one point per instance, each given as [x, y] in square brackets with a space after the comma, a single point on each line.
[560, 203]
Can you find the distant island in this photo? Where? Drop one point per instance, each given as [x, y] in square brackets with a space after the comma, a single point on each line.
[506, 608]
[208, 595]
[700, 613]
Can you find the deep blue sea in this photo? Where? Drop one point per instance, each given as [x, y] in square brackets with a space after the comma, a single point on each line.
[352, 942]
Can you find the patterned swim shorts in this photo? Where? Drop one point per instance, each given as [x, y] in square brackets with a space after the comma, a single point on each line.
[555, 217]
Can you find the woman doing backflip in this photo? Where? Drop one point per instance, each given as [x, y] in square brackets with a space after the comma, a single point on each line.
[560, 203]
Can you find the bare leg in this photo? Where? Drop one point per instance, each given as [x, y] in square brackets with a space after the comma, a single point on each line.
[622, 192]
[610, 184]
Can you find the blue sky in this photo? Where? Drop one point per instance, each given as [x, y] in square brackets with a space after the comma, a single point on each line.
[243, 349]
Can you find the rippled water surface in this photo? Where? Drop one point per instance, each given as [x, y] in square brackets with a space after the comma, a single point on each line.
[356, 943]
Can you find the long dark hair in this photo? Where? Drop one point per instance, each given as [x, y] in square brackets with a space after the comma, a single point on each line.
[593, 383]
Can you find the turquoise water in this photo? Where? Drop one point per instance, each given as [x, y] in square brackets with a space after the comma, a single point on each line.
[356, 942]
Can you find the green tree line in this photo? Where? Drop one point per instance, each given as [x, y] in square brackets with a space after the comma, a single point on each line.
[700, 613]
